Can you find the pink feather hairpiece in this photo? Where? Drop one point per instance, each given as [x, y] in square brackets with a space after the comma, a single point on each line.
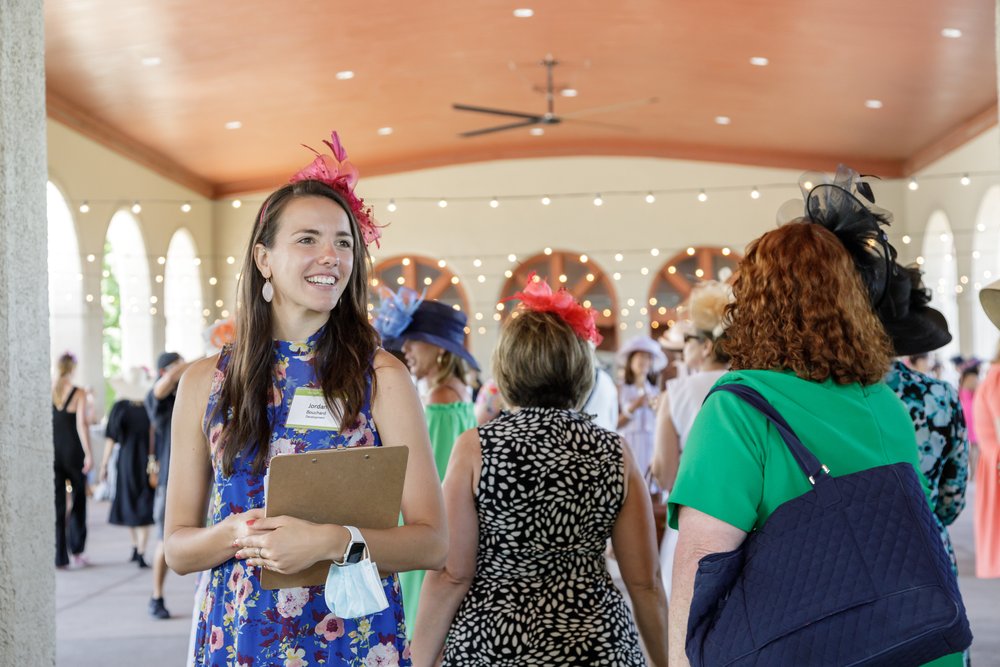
[537, 295]
[340, 174]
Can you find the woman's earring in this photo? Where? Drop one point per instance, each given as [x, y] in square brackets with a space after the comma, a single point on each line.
[267, 291]
[440, 358]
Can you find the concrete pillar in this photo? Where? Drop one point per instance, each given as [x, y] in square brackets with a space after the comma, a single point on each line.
[27, 579]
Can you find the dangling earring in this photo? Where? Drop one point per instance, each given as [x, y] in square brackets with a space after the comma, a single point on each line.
[267, 291]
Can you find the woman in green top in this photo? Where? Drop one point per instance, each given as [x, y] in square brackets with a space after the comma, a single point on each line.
[432, 338]
[802, 332]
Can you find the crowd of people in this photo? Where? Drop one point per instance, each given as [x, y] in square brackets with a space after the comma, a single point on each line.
[514, 502]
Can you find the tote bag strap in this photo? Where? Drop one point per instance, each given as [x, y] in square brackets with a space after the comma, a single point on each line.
[807, 461]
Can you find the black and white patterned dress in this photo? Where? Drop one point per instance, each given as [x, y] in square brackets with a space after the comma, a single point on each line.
[551, 488]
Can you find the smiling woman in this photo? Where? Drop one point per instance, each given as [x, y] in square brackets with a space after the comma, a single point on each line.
[302, 326]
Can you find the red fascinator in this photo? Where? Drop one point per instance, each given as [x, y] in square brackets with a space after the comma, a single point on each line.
[338, 172]
[537, 295]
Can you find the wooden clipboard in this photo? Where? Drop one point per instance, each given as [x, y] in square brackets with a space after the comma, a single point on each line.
[359, 486]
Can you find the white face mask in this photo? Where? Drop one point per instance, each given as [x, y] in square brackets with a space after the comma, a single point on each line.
[355, 589]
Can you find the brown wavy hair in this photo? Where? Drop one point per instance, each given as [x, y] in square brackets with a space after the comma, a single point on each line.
[344, 351]
[800, 305]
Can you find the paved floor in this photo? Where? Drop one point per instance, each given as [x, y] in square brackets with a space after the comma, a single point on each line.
[101, 617]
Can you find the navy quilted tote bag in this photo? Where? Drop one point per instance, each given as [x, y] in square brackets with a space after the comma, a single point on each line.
[852, 572]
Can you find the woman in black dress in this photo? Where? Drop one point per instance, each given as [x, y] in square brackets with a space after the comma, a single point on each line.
[72, 462]
[128, 425]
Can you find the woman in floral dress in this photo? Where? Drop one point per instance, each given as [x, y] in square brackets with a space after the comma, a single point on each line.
[302, 325]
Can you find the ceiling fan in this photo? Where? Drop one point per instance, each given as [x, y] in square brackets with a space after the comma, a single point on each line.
[549, 117]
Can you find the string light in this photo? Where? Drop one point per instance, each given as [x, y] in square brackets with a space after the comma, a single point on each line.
[84, 207]
[186, 207]
[136, 207]
[965, 180]
[494, 203]
[650, 198]
[755, 193]
[913, 185]
[598, 200]
[546, 200]
[391, 206]
[703, 196]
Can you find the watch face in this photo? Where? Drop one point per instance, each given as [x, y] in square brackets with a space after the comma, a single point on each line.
[355, 553]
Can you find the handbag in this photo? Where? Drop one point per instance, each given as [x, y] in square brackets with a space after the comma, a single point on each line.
[852, 572]
[153, 471]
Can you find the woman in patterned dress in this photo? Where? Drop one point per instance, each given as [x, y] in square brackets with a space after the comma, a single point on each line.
[302, 325]
[532, 498]
[933, 405]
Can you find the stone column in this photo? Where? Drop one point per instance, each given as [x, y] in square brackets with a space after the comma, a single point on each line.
[27, 579]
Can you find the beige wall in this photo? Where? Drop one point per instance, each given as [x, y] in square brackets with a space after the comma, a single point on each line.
[469, 229]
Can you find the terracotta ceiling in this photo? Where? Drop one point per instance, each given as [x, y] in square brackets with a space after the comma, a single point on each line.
[158, 80]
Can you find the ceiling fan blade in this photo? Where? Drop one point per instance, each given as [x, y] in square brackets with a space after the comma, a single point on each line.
[496, 112]
[498, 128]
[612, 107]
[595, 123]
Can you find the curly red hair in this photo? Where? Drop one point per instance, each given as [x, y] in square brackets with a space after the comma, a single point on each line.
[801, 306]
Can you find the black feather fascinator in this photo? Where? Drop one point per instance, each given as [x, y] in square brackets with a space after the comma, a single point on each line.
[846, 206]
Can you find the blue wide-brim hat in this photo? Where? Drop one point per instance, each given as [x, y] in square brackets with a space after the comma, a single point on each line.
[438, 324]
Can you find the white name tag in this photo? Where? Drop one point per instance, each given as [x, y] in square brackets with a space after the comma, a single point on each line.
[309, 411]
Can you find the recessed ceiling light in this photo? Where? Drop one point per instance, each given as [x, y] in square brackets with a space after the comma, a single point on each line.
[234, 125]
[759, 61]
[345, 75]
[385, 131]
[873, 104]
[723, 120]
[536, 131]
[568, 92]
[951, 33]
[151, 61]
[524, 13]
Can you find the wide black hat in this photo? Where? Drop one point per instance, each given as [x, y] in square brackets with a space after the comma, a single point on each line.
[915, 327]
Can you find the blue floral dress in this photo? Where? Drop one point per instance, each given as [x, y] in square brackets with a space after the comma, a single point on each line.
[243, 625]
[942, 442]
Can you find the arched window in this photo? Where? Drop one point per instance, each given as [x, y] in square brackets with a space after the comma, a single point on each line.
[582, 277]
[941, 276]
[673, 282]
[125, 297]
[420, 273]
[182, 299]
[66, 309]
[985, 270]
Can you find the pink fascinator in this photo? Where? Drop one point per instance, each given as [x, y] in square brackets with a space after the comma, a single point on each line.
[340, 174]
[537, 295]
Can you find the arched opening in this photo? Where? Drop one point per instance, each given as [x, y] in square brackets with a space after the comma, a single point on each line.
[582, 277]
[673, 282]
[182, 297]
[66, 307]
[985, 270]
[419, 274]
[125, 297]
[941, 276]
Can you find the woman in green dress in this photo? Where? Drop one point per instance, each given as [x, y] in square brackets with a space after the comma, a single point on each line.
[431, 336]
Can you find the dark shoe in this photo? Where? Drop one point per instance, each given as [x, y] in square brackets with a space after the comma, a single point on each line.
[135, 555]
[142, 562]
[156, 608]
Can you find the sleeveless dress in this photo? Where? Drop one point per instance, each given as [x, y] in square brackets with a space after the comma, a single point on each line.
[445, 422]
[241, 624]
[686, 394]
[550, 490]
[68, 467]
[987, 501]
